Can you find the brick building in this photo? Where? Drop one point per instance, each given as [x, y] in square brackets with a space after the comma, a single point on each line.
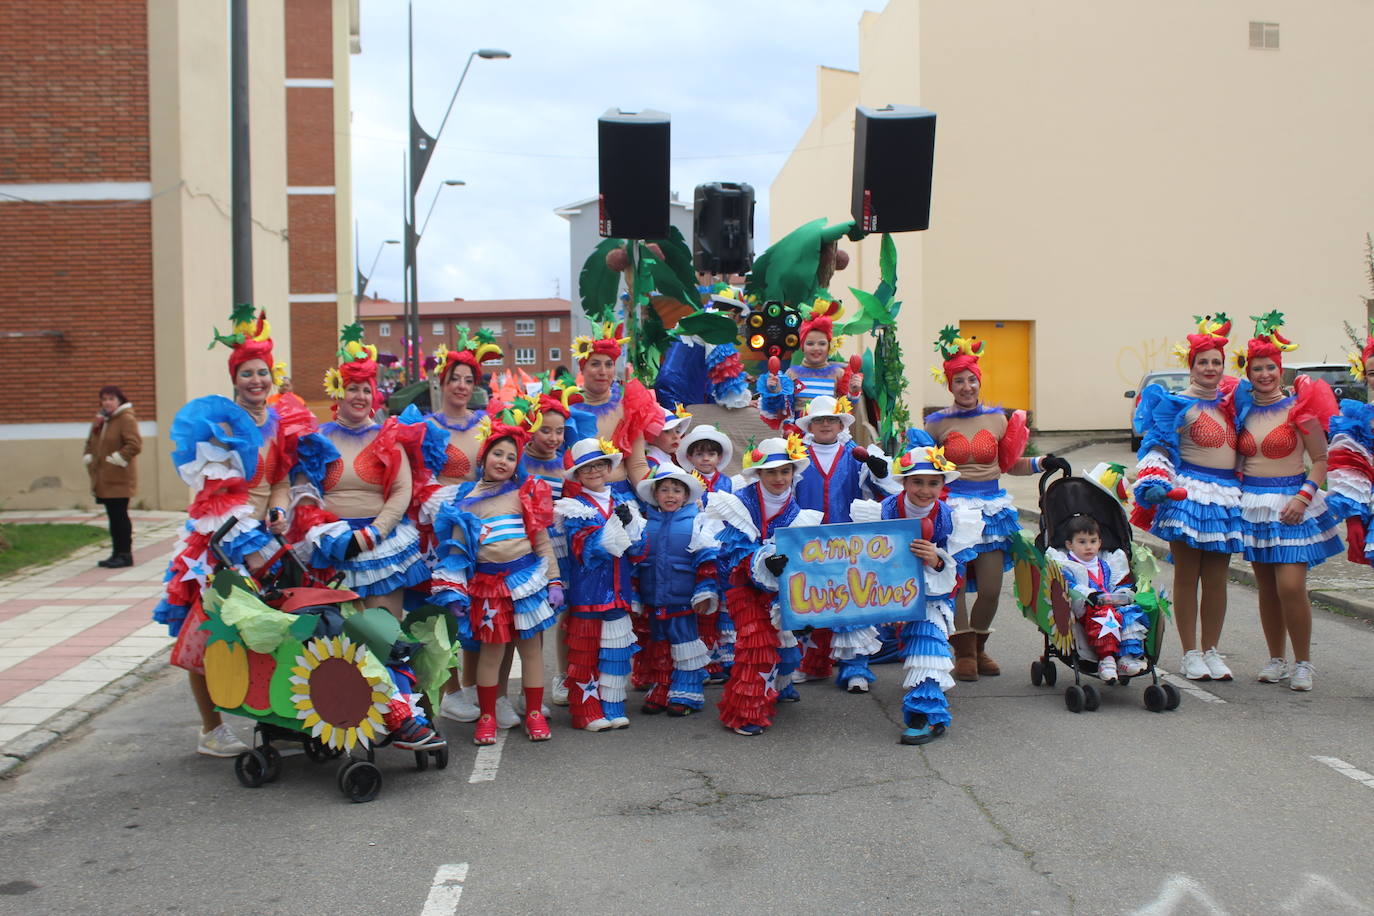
[114, 215]
[535, 334]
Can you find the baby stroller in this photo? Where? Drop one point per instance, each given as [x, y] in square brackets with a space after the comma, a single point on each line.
[1043, 593]
[310, 666]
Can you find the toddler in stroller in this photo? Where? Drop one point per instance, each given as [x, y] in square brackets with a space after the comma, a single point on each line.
[1111, 624]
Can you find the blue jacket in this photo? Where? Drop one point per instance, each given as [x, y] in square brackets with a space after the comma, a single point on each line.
[833, 494]
[598, 580]
[667, 571]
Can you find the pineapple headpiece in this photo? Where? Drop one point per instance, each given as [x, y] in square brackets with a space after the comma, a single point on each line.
[471, 351]
[1267, 342]
[249, 337]
[958, 354]
[1212, 334]
[357, 364]
[609, 342]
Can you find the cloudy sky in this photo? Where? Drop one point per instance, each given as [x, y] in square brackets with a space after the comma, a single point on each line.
[738, 79]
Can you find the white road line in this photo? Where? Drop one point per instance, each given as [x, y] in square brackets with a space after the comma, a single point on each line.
[446, 890]
[1345, 769]
[488, 759]
[1189, 687]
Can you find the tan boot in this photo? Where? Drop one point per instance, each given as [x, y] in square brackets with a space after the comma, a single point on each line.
[986, 666]
[965, 656]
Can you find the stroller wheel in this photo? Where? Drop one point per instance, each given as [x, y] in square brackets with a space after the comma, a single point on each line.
[1091, 698]
[1171, 696]
[1155, 698]
[251, 769]
[1074, 698]
[441, 758]
[1037, 676]
[361, 781]
[273, 758]
[421, 761]
[1049, 672]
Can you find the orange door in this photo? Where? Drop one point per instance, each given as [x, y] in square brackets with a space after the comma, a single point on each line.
[1006, 367]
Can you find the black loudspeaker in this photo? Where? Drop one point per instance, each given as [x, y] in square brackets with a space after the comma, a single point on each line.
[633, 151]
[723, 228]
[894, 154]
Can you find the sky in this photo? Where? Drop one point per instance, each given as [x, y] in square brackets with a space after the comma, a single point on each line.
[738, 79]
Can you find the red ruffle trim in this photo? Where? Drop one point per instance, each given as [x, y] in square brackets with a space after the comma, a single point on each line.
[816, 661]
[1313, 402]
[306, 517]
[584, 645]
[488, 589]
[1142, 516]
[219, 497]
[536, 505]
[642, 417]
[726, 369]
[641, 677]
[294, 420]
[180, 591]
[1014, 441]
[658, 665]
[747, 699]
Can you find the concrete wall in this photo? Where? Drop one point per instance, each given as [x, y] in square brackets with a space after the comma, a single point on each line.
[1109, 170]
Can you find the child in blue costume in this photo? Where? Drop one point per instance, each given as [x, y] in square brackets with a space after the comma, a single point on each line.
[706, 452]
[946, 543]
[840, 473]
[603, 528]
[677, 582]
[744, 524]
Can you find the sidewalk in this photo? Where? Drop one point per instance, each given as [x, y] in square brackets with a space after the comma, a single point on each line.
[1337, 583]
[71, 634]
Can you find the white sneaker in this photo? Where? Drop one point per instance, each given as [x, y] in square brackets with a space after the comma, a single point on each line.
[1130, 665]
[598, 725]
[620, 722]
[1301, 678]
[1215, 666]
[560, 691]
[519, 704]
[856, 685]
[1275, 671]
[222, 742]
[1193, 667]
[799, 677]
[1106, 669]
[506, 716]
[461, 705]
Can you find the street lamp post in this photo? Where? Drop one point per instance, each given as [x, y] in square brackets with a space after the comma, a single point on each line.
[420, 149]
[451, 183]
[363, 280]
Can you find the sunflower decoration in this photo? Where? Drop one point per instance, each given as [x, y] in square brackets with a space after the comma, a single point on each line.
[843, 405]
[796, 448]
[581, 348]
[334, 383]
[334, 698]
[607, 446]
[1238, 358]
[936, 456]
[483, 428]
[1356, 367]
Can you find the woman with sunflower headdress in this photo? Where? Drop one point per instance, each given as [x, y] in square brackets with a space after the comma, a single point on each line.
[1187, 493]
[625, 414]
[1286, 527]
[235, 456]
[1350, 472]
[984, 443]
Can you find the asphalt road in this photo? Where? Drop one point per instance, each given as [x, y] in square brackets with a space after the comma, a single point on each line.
[1023, 807]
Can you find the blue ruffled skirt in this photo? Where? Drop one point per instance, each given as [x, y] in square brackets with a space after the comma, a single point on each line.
[395, 563]
[1209, 519]
[1268, 540]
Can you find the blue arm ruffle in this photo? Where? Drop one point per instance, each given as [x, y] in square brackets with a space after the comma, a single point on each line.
[314, 454]
[434, 446]
[457, 533]
[1355, 421]
[1159, 415]
[770, 404]
[204, 419]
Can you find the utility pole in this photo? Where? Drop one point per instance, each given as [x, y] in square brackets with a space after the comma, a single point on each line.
[241, 204]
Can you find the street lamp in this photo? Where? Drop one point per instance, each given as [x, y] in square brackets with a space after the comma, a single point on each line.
[451, 183]
[420, 149]
[362, 280]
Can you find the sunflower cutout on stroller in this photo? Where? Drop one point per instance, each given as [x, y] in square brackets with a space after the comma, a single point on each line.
[308, 664]
[1090, 590]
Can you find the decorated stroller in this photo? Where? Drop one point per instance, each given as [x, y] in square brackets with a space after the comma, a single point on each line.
[1046, 600]
[308, 664]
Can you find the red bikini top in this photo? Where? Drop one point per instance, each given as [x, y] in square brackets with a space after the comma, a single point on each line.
[367, 465]
[1281, 442]
[456, 466]
[982, 450]
[1208, 433]
[267, 466]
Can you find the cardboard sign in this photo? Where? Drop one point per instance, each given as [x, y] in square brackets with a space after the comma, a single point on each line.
[851, 574]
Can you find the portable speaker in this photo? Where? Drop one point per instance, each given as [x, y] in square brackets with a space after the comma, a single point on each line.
[633, 151]
[894, 153]
[723, 228]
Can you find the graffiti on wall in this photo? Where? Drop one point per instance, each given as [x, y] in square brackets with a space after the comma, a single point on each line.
[1134, 360]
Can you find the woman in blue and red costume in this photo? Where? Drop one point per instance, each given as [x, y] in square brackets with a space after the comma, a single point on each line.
[497, 572]
[362, 488]
[1187, 491]
[1286, 526]
[783, 398]
[624, 414]
[840, 473]
[746, 521]
[604, 528]
[946, 543]
[984, 443]
[235, 456]
[1350, 467]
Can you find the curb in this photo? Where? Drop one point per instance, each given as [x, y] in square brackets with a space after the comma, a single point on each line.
[20, 750]
[1243, 575]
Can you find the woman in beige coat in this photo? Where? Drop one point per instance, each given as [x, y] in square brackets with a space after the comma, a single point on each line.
[110, 450]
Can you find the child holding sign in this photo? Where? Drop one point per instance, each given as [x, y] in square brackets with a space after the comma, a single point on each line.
[947, 543]
[677, 581]
[746, 521]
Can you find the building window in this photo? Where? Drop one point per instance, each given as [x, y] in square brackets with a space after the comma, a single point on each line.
[524, 356]
[555, 325]
[524, 327]
[437, 328]
[555, 354]
[1264, 36]
[495, 327]
[384, 329]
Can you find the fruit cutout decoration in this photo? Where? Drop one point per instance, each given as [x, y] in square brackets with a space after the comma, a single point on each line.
[335, 700]
[226, 664]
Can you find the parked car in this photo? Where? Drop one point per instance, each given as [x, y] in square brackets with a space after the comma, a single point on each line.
[1337, 375]
[1171, 379]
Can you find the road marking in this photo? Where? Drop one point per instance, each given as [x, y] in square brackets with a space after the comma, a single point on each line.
[1181, 892]
[1189, 687]
[1345, 769]
[446, 890]
[488, 759]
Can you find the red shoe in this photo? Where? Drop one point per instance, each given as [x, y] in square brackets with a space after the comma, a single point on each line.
[537, 726]
[485, 732]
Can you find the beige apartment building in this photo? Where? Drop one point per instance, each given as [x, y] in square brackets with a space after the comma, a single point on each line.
[1105, 171]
